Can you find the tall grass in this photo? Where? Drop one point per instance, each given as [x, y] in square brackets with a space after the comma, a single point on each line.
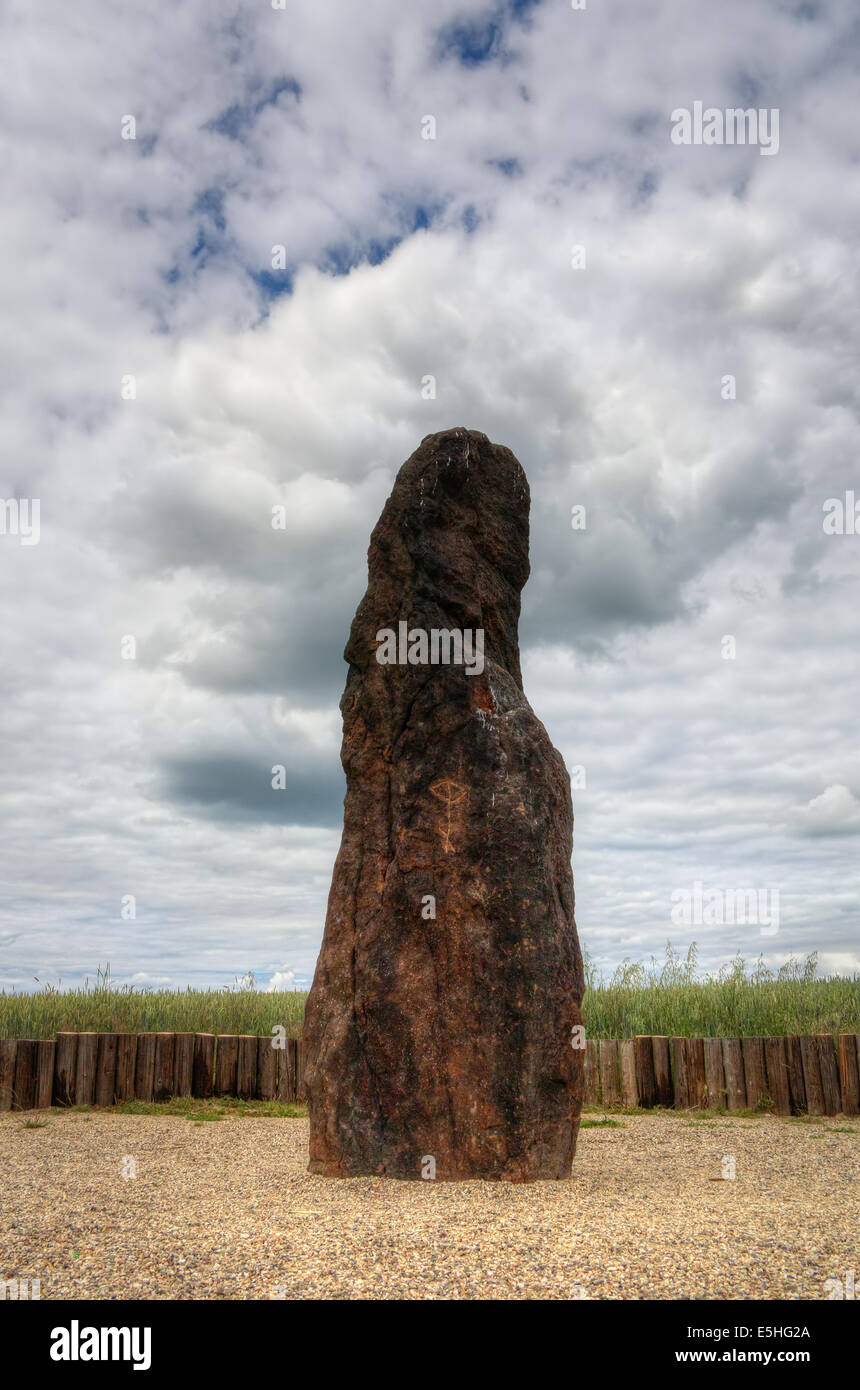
[105, 1008]
[669, 997]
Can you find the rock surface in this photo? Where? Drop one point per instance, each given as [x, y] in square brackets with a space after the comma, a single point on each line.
[442, 1046]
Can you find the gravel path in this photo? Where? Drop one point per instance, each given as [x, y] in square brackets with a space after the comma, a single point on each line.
[226, 1210]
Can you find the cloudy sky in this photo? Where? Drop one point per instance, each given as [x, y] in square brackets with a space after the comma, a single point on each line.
[236, 309]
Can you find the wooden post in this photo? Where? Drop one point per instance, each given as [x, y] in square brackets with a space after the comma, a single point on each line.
[286, 1072]
[715, 1076]
[226, 1063]
[698, 1092]
[663, 1072]
[608, 1063]
[829, 1074]
[162, 1080]
[812, 1076]
[645, 1079]
[849, 1074]
[144, 1072]
[126, 1059]
[796, 1083]
[754, 1072]
[8, 1048]
[45, 1063]
[301, 1092]
[629, 1089]
[733, 1066]
[246, 1068]
[65, 1065]
[591, 1074]
[24, 1084]
[679, 1074]
[293, 1045]
[776, 1062]
[204, 1065]
[183, 1064]
[267, 1069]
[106, 1069]
[85, 1071]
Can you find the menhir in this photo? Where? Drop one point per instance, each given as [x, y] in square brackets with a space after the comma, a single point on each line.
[443, 1029]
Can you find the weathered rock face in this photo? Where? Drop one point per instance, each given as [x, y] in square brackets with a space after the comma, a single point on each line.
[447, 1037]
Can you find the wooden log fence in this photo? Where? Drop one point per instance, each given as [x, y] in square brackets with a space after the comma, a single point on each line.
[629, 1082]
[105, 1069]
[715, 1073]
[776, 1062]
[814, 1075]
[663, 1071]
[696, 1080]
[754, 1074]
[126, 1063]
[733, 1063]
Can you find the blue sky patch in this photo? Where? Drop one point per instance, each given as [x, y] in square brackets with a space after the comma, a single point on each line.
[471, 42]
[236, 120]
[211, 204]
[646, 187]
[342, 257]
[475, 41]
[273, 283]
[511, 168]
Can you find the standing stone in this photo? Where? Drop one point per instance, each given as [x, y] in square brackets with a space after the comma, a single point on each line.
[439, 1028]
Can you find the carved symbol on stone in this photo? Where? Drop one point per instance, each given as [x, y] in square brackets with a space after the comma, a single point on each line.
[450, 793]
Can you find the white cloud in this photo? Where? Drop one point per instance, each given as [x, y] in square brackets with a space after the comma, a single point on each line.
[835, 812]
[281, 980]
[704, 515]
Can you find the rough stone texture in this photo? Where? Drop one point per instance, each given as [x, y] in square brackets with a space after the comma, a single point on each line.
[451, 1037]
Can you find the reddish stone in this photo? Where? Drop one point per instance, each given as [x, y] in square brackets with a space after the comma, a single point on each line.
[450, 1038]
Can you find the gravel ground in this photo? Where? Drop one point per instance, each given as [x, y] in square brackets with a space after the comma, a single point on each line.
[226, 1210]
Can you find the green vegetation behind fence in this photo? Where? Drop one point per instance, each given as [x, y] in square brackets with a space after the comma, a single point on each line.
[668, 997]
[105, 1008]
[671, 998]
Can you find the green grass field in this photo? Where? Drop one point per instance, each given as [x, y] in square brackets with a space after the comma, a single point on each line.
[668, 997]
[671, 997]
